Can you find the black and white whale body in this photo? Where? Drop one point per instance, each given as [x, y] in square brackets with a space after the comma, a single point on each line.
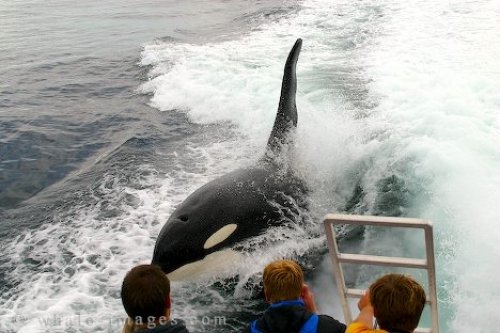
[241, 204]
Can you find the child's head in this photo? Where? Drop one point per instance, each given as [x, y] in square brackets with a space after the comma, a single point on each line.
[283, 281]
[398, 302]
[146, 293]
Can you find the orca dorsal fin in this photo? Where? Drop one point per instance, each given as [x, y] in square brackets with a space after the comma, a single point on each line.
[286, 118]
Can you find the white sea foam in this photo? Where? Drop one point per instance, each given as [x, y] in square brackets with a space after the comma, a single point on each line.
[436, 72]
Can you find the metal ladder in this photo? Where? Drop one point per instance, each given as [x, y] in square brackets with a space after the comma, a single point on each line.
[337, 258]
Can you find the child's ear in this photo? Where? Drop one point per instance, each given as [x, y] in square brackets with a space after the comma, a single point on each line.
[304, 291]
[265, 295]
[168, 302]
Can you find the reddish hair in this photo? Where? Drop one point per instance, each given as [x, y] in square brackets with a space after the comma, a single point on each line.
[398, 302]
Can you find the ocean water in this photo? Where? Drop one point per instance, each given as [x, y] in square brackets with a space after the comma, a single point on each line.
[111, 113]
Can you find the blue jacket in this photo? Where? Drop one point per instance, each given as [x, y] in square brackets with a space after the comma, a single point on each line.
[290, 317]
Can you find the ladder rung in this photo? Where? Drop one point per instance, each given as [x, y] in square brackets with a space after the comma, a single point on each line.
[401, 222]
[422, 330]
[355, 292]
[358, 293]
[382, 260]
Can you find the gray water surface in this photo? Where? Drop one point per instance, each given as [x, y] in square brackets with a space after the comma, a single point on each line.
[69, 73]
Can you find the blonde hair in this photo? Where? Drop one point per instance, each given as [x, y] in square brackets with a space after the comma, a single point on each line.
[398, 302]
[283, 280]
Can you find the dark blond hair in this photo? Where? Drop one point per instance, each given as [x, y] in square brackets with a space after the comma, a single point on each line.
[398, 302]
[283, 280]
[145, 292]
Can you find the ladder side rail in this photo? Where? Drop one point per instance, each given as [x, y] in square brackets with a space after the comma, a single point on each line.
[431, 277]
[338, 272]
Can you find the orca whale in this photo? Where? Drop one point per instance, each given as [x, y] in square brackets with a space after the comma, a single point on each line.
[240, 204]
